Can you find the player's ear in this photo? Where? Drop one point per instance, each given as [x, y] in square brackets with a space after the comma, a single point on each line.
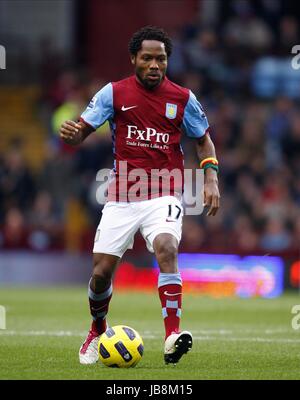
[132, 58]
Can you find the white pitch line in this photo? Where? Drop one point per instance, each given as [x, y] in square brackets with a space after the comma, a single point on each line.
[247, 339]
[231, 332]
[151, 336]
[41, 333]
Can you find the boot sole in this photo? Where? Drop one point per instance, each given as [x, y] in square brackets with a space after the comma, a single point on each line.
[182, 345]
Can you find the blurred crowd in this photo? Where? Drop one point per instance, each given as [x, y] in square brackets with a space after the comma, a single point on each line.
[239, 66]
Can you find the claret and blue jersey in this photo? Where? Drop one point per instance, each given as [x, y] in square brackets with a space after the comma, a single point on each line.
[147, 124]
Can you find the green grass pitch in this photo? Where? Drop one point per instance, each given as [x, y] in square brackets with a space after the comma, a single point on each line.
[233, 338]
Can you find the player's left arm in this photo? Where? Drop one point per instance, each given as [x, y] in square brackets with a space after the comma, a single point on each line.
[206, 150]
[195, 125]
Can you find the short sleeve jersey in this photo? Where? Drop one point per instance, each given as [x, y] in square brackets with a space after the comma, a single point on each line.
[146, 130]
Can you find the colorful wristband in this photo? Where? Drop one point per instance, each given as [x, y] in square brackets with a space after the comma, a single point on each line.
[208, 160]
[213, 166]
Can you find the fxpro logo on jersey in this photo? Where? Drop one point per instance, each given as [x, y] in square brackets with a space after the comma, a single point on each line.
[134, 133]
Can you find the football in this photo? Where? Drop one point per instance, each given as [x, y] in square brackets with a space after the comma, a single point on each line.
[120, 347]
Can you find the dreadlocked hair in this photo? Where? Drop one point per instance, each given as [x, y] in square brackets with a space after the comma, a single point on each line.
[149, 33]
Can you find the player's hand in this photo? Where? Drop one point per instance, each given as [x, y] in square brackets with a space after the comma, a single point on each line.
[211, 197]
[70, 133]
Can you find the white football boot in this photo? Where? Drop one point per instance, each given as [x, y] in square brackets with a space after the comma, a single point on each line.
[88, 352]
[176, 345]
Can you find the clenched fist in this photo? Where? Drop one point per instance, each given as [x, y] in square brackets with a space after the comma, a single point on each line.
[70, 133]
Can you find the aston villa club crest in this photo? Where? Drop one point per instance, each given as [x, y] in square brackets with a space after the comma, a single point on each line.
[171, 110]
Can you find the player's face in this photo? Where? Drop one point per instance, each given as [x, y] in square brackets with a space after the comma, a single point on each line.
[151, 63]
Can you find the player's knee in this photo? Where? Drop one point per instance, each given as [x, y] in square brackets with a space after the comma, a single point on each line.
[102, 271]
[166, 254]
[104, 266]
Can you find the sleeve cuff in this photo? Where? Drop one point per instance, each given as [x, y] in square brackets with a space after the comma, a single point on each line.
[86, 123]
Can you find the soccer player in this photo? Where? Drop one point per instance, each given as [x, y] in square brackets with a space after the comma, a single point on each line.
[147, 115]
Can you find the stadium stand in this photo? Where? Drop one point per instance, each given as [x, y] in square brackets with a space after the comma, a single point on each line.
[251, 96]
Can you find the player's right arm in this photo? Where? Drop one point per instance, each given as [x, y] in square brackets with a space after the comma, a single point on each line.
[74, 133]
[99, 110]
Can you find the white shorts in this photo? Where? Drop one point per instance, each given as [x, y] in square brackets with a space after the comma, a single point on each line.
[120, 221]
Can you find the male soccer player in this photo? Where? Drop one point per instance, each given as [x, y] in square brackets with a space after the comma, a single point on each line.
[147, 115]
